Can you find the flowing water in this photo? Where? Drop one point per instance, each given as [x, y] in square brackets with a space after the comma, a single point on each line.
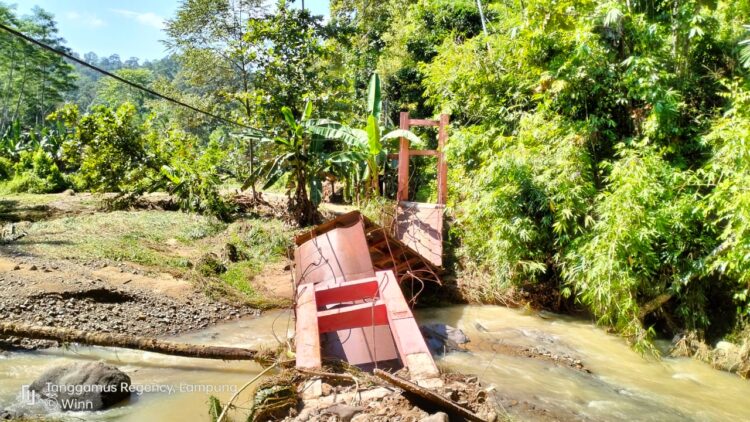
[621, 386]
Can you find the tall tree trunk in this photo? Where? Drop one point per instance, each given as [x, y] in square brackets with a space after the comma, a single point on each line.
[8, 89]
[20, 91]
[68, 335]
[248, 111]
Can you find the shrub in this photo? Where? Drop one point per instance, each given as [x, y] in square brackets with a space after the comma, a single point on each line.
[36, 172]
[6, 168]
[107, 149]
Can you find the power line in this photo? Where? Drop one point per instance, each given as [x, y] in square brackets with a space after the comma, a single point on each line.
[123, 80]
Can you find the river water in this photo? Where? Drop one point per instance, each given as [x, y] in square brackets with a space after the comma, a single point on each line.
[621, 386]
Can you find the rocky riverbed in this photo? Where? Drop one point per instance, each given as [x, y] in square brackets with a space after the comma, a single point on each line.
[104, 297]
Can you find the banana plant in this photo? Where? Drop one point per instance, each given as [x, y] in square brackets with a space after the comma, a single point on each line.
[303, 155]
[369, 145]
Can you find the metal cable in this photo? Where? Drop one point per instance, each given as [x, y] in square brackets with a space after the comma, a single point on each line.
[125, 81]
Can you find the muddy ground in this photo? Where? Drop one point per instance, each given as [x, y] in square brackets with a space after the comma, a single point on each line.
[104, 297]
[101, 294]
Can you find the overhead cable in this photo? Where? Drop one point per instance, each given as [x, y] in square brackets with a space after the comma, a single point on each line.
[125, 81]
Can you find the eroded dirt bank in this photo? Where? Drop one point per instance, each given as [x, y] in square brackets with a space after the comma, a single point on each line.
[100, 296]
[65, 262]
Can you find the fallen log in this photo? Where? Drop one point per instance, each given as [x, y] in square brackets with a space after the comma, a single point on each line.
[443, 403]
[654, 304]
[69, 335]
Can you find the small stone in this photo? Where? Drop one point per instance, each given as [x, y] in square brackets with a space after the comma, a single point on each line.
[311, 389]
[33, 268]
[437, 417]
[326, 389]
[16, 268]
[344, 412]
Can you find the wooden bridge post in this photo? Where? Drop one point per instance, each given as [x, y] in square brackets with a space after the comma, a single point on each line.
[442, 162]
[403, 161]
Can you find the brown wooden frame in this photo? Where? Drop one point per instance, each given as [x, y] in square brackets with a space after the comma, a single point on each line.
[404, 155]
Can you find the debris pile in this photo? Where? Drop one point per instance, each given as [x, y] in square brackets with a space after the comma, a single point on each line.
[347, 394]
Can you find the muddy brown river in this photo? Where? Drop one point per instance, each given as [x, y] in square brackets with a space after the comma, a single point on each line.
[621, 386]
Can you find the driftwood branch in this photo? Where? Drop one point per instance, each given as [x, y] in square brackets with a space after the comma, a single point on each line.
[68, 335]
[447, 405]
[248, 384]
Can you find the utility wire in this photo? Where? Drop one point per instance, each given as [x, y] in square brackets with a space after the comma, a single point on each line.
[125, 81]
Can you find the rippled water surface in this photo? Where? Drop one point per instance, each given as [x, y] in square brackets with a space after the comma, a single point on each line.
[622, 385]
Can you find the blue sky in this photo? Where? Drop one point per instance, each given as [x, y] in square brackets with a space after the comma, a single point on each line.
[128, 28]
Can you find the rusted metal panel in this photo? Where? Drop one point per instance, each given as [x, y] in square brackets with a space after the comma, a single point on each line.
[442, 162]
[307, 336]
[423, 122]
[345, 220]
[363, 346]
[402, 194]
[361, 315]
[364, 314]
[339, 254]
[328, 294]
[386, 252]
[404, 154]
[424, 152]
[420, 227]
[409, 341]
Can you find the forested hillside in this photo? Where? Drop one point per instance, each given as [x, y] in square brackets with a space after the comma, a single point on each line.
[599, 151]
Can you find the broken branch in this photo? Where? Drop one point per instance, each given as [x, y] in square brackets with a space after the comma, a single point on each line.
[434, 398]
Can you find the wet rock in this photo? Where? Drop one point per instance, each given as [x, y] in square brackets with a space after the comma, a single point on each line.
[442, 338]
[83, 386]
[326, 389]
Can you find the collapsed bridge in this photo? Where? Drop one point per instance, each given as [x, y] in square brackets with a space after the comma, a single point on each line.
[348, 274]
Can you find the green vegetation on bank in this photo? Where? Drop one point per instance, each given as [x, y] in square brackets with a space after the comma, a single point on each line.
[164, 242]
[598, 150]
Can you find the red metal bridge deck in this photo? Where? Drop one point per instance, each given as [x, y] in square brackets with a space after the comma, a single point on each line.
[349, 304]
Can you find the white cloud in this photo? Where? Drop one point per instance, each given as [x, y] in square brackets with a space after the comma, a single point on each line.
[147, 18]
[87, 19]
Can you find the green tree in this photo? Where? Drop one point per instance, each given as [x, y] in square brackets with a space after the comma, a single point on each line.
[107, 148]
[114, 93]
[34, 80]
[216, 58]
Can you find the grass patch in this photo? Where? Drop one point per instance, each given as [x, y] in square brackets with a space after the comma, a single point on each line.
[167, 241]
[238, 276]
[25, 200]
[236, 286]
[261, 240]
[140, 237]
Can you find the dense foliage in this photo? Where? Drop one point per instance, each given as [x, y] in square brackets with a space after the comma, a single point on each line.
[597, 157]
[598, 154]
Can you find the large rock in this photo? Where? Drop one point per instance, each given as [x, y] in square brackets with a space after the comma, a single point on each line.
[83, 386]
[9, 415]
[443, 338]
